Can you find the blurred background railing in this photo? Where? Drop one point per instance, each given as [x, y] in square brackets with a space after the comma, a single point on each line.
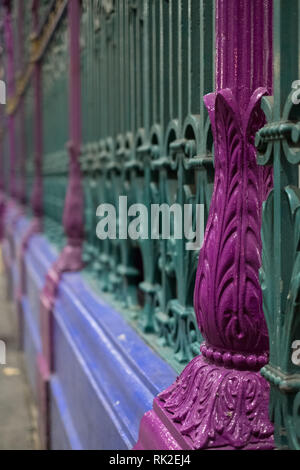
[278, 145]
[145, 135]
[145, 67]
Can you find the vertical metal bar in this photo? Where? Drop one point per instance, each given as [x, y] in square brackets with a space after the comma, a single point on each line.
[146, 67]
[36, 197]
[132, 49]
[9, 42]
[280, 271]
[227, 296]
[184, 47]
[121, 67]
[170, 52]
[71, 257]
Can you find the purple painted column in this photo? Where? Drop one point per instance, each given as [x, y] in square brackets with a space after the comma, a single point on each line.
[71, 259]
[220, 400]
[2, 125]
[10, 77]
[21, 111]
[2, 195]
[37, 193]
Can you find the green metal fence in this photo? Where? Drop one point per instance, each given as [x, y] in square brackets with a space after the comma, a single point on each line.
[55, 132]
[145, 68]
[29, 147]
[279, 144]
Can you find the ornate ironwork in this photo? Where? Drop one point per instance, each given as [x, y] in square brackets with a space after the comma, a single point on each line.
[55, 123]
[220, 400]
[278, 145]
[146, 135]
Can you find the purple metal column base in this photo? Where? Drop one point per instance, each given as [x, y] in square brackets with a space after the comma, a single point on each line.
[69, 260]
[2, 214]
[209, 407]
[17, 212]
[154, 435]
[13, 213]
[34, 227]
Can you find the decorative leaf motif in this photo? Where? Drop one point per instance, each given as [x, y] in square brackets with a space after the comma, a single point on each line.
[228, 299]
[216, 406]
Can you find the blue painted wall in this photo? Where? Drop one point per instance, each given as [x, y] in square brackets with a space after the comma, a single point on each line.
[105, 377]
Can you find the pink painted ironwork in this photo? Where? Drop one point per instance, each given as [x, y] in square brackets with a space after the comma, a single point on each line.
[21, 191]
[9, 43]
[220, 399]
[70, 259]
[37, 192]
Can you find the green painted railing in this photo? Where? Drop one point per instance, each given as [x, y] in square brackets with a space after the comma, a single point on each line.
[279, 145]
[145, 68]
[55, 132]
[29, 147]
[5, 162]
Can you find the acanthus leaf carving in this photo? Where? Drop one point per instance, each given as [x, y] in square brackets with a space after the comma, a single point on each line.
[214, 406]
[227, 296]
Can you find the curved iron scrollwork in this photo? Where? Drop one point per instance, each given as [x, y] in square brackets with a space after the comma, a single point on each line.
[151, 281]
[146, 136]
[278, 144]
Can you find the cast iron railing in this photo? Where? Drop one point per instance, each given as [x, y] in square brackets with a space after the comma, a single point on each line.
[278, 145]
[55, 95]
[145, 68]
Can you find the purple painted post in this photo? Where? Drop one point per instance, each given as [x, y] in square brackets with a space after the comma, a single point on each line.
[220, 400]
[71, 259]
[21, 110]
[10, 77]
[37, 193]
[2, 195]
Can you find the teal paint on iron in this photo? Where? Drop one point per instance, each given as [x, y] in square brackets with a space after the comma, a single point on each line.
[29, 148]
[146, 135]
[55, 132]
[278, 145]
[145, 67]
